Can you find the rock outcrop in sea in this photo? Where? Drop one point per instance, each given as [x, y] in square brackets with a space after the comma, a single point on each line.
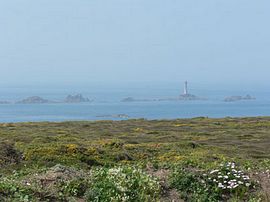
[34, 100]
[238, 98]
[76, 99]
[190, 97]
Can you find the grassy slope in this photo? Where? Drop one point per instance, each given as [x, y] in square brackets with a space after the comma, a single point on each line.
[200, 141]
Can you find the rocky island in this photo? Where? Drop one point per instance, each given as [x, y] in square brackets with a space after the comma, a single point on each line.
[39, 100]
[238, 98]
[34, 100]
[76, 99]
[190, 97]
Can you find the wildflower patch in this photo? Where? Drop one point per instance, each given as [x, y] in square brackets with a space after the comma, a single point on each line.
[227, 181]
[122, 184]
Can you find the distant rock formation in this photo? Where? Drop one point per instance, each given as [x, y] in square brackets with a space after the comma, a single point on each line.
[33, 100]
[190, 97]
[238, 98]
[128, 99]
[4, 102]
[76, 99]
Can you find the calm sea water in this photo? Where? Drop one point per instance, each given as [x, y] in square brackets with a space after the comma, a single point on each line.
[107, 104]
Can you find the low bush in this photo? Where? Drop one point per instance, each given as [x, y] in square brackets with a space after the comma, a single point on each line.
[216, 185]
[8, 154]
[122, 184]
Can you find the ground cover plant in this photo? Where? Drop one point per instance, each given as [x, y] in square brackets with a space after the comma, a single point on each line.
[198, 159]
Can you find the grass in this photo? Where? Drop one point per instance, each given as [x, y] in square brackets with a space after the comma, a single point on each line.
[194, 145]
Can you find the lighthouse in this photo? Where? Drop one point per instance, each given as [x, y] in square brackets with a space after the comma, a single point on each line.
[186, 88]
[187, 96]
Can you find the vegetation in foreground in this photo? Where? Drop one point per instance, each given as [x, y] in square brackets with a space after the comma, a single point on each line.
[198, 159]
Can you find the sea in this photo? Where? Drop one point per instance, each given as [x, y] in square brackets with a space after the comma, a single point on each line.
[107, 104]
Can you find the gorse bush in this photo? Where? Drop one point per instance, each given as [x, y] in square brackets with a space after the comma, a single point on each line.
[122, 184]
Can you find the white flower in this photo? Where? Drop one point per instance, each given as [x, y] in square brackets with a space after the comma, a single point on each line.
[247, 184]
[220, 185]
[240, 182]
[246, 177]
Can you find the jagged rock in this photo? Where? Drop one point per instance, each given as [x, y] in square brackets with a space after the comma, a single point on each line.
[76, 99]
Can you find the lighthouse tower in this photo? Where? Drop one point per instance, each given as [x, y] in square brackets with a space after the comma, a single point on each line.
[186, 88]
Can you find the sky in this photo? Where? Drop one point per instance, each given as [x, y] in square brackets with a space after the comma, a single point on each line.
[105, 41]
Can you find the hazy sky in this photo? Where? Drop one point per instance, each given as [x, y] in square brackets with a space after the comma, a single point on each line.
[72, 41]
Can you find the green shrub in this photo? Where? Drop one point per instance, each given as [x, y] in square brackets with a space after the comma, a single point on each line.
[10, 190]
[191, 186]
[122, 184]
[76, 187]
[220, 184]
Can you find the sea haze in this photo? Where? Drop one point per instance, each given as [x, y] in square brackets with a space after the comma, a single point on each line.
[107, 103]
